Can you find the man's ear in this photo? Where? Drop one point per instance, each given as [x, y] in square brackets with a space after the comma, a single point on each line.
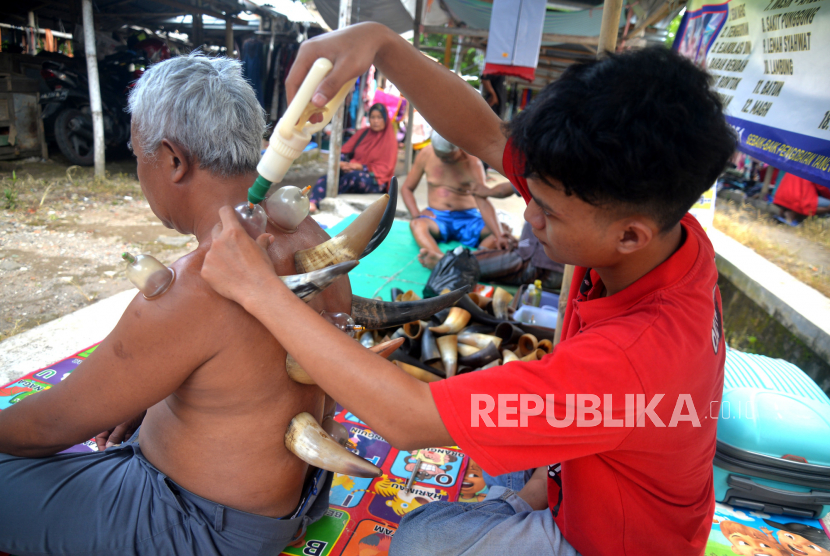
[636, 234]
[176, 160]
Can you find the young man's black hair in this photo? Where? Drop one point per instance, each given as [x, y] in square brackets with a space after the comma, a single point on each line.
[641, 130]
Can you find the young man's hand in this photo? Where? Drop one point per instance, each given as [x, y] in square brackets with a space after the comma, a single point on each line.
[352, 50]
[236, 265]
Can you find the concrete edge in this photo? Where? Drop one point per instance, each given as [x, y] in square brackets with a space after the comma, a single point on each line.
[62, 337]
[801, 309]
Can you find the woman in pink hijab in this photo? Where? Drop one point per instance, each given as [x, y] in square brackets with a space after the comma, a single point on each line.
[367, 160]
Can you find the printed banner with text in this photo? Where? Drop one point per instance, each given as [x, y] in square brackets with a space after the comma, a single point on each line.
[771, 63]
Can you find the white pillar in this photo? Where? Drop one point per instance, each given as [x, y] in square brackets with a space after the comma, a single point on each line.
[333, 173]
[94, 88]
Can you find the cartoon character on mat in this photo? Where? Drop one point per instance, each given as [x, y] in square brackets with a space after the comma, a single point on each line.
[374, 545]
[434, 465]
[401, 502]
[748, 541]
[800, 536]
[473, 488]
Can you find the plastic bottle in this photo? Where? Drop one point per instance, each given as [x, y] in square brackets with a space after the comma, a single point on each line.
[148, 275]
[291, 135]
[530, 296]
[537, 299]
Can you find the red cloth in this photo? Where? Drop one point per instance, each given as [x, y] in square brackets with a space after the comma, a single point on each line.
[625, 490]
[378, 151]
[799, 195]
[523, 72]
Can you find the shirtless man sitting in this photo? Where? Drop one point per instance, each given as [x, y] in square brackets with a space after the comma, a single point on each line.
[208, 472]
[458, 207]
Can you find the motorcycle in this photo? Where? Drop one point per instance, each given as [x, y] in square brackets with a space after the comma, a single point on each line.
[66, 109]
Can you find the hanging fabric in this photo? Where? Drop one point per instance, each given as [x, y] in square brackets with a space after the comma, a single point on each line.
[515, 37]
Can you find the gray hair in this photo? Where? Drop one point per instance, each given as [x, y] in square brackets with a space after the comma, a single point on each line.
[205, 107]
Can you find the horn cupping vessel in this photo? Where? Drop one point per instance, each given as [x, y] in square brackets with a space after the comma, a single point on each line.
[375, 314]
[307, 440]
[308, 285]
[345, 246]
[456, 321]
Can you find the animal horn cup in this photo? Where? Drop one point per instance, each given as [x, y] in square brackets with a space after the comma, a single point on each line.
[308, 285]
[375, 314]
[307, 440]
[348, 245]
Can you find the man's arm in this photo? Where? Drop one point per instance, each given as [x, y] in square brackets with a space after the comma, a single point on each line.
[395, 405]
[413, 178]
[149, 354]
[492, 97]
[499, 191]
[488, 212]
[462, 115]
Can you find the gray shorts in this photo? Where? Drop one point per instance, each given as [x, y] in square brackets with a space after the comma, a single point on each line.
[116, 502]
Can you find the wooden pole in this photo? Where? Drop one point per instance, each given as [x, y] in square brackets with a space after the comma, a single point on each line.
[229, 37]
[767, 182]
[448, 52]
[333, 174]
[94, 88]
[607, 43]
[610, 26]
[410, 108]
[198, 31]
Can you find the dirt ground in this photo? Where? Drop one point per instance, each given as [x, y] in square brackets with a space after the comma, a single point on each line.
[62, 234]
[803, 251]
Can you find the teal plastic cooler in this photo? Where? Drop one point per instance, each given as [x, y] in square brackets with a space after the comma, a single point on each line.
[773, 450]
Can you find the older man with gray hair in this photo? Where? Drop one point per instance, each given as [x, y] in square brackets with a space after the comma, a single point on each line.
[207, 472]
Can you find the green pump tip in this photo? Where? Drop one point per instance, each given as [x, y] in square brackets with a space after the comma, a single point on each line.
[127, 257]
[257, 192]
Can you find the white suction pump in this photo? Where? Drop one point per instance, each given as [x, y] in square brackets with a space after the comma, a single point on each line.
[291, 135]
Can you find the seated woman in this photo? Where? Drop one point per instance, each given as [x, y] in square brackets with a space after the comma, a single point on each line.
[374, 152]
[801, 198]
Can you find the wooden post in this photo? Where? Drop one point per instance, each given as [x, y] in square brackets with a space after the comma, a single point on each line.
[448, 52]
[610, 26]
[333, 174]
[410, 109]
[607, 43]
[229, 36]
[767, 182]
[198, 31]
[94, 88]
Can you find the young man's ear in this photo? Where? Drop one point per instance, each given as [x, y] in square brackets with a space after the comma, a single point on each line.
[636, 234]
[175, 160]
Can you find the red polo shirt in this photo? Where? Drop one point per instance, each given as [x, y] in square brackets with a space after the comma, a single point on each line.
[620, 411]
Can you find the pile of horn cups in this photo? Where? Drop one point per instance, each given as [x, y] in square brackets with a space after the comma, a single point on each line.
[476, 333]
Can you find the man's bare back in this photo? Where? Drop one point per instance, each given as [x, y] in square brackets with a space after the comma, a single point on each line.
[221, 433]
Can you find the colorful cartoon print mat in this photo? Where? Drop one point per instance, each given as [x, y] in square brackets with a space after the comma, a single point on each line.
[364, 513]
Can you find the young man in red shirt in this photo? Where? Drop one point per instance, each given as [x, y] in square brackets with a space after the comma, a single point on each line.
[619, 417]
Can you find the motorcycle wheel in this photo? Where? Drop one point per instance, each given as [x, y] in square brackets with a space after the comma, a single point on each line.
[76, 147]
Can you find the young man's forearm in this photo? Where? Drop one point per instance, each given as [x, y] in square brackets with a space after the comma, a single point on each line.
[396, 406]
[456, 110]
